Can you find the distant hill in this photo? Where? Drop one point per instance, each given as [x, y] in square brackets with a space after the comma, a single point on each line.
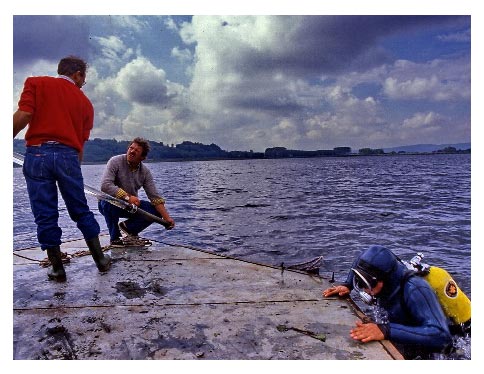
[427, 147]
[100, 150]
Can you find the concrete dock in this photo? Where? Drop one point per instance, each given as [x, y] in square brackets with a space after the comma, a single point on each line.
[174, 302]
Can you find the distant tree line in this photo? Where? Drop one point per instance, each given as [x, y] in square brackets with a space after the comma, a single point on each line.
[452, 150]
[282, 152]
[445, 150]
[370, 151]
[100, 150]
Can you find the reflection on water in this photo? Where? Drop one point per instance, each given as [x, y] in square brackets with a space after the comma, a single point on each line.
[272, 211]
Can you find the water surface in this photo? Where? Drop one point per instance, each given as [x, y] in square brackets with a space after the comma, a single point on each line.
[285, 210]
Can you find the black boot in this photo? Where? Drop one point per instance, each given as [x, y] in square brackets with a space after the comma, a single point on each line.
[57, 271]
[103, 262]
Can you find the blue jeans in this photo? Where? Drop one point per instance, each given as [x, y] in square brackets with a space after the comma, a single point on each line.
[45, 168]
[135, 223]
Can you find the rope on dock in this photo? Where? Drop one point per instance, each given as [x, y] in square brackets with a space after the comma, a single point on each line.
[66, 258]
[26, 258]
[234, 258]
[143, 242]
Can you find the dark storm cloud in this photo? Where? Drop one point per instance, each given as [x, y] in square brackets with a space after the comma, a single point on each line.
[49, 38]
[148, 93]
[281, 106]
[327, 44]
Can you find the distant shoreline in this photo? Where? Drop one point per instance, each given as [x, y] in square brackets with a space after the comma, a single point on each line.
[149, 161]
[99, 151]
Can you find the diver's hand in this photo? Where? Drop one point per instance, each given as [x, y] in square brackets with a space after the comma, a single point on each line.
[336, 290]
[366, 332]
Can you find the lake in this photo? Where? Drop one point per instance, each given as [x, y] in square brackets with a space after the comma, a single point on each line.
[285, 210]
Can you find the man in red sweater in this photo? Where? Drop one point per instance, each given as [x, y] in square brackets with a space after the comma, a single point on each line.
[59, 118]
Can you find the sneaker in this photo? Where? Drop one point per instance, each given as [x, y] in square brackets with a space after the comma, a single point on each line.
[132, 240]
[136, 241]
[117, 243]
[123, 228]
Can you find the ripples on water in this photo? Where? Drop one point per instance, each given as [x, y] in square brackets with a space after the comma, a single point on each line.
[274, 211]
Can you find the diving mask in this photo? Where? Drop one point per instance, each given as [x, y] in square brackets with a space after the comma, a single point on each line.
[363, 281]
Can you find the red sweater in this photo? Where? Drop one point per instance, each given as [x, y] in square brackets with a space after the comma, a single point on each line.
[61, 112]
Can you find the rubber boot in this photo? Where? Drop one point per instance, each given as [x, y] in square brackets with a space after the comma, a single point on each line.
[103, 262]
[57, 271]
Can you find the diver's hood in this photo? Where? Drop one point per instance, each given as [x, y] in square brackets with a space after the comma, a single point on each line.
[383, 264]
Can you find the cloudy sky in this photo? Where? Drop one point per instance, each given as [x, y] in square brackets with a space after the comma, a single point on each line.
[252, 82]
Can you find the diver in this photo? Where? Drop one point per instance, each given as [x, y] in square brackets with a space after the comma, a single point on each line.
[414, 320]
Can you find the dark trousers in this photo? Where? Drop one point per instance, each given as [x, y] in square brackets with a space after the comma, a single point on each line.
[135, 223]
[46, 168]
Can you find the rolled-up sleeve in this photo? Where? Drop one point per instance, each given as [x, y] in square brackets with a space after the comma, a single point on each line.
[151, 190]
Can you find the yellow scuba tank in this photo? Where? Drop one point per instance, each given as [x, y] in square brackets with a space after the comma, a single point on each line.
[455, 303]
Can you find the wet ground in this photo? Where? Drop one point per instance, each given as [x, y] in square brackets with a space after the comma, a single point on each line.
[173, 302]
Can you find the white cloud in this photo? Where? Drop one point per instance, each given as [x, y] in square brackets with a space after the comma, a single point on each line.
[416, 88]
[113, 53]
[170, 23]
[182, 55]
[113, 47]
[141, 83]
[437, 80]
[132, 23]
[426, 121]
[460, 37]
[285, 133]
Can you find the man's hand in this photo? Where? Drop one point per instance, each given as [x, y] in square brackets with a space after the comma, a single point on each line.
[336, 290]
[134, 200]
[366, 332]
[165, 215]
[171, 222]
